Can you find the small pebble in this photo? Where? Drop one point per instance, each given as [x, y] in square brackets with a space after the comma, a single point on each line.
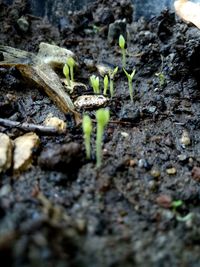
[182, 157]
[24, 147]
[185, 139]
[23, 24]
[6, 148]
[132, 162]
[171, 171]
[196, 173]
[81, 225]
[164, 201]
[155, 173]
[59, 124]
[143, 163]
[124, 134]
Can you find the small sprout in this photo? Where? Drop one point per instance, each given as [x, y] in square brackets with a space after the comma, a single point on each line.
[105, 85]
[95, 84]
[176, 204]
[104, 68]
[185, 218]
[161, 78]
[123, 49]
[102, 117]
[71, 63]
[95, 29]
[111, 75]
[130, 83]
[66, 73]
[87, 130]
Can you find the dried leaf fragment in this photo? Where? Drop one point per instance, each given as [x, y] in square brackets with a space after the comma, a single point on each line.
[5, 152]
[23, 150]
[188, 11]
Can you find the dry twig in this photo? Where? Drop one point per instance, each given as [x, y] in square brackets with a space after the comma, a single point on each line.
[29, 127]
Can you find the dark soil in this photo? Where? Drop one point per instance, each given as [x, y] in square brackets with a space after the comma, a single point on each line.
[63, 211]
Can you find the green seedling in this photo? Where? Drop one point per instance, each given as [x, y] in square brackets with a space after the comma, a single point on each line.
[95, 29]
[66, 73]
[176, 204]
[122, 43]
[87, 130]
[111, 76]
[105, 84]
[130, 82]
[160, 74]
[161, 78]
[94, 80]
[102, 117]
[185, 218]
[71, 63]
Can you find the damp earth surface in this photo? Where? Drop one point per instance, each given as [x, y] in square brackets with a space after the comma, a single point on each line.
[141, 207]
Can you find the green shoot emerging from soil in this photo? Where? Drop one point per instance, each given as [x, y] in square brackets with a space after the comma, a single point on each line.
[130, 82]
[102, 117]
[87, 130]
[66, 73]
[111, 76]
[161, 78]
[94, 80]
[105, 84]
[176, 204]
[71, 63]
[123, 49]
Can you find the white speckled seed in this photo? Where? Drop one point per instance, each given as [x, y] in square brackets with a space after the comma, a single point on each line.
[90, 101]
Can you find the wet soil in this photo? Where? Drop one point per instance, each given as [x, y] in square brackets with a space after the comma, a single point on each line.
[141, 208]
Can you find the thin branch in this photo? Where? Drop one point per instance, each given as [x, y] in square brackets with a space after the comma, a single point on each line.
[49, 130]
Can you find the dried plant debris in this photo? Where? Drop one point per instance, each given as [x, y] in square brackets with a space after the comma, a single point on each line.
[40, 69]
[23, 151]
[6, 148]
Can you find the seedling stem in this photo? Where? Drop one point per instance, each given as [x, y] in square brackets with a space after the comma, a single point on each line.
[95, 84]
[111, 75]
[87, 130]
[130, 82]
[66, 73]
[71, 64]
[105, 83]
[102, 117]
[123, 49]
